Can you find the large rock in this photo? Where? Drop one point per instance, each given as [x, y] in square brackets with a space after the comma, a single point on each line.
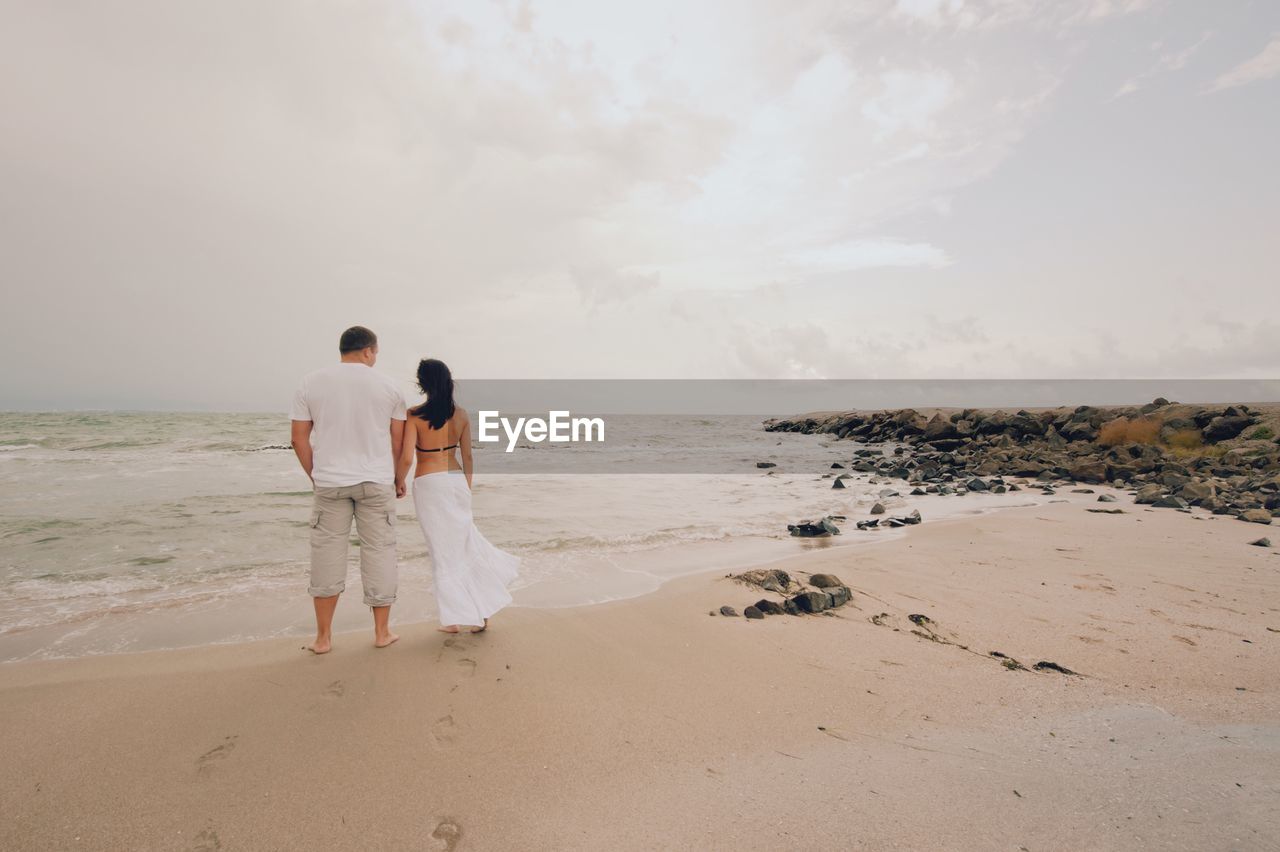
[1256, 516]
[1197, 491]
[808, 529]
[811, 601]
[1224, 428]
[1170, 502]
[877, 509]
[1149, 494]
[838, 596]
[1089, 470]
[939, 429]
[825, 581]
[769, 607]
[1081, 430]
[769, 579]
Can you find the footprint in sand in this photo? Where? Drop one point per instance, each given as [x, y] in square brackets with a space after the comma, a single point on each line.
[337, 689]
[207, 841]
[468, 666]
[444, 732]
[206, 761]
[449, 833]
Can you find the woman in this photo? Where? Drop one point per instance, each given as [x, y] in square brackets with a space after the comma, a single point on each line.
[471, 575]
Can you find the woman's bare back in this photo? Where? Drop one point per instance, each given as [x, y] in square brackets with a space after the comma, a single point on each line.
[437, 448]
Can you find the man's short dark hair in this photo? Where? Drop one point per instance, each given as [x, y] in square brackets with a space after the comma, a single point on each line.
[356, 338]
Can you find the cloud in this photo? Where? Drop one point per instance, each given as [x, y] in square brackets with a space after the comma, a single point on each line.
[871, 254]
[1264, 66]
[601, 286]
[908, 100]
[537, 188]
[1166, 62]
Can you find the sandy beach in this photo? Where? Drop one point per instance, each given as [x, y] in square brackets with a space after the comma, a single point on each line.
[648, 724]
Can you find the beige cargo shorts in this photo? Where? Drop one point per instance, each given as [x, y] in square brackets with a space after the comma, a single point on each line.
[373, 506]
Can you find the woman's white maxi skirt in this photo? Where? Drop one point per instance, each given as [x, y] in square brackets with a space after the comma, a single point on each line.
[471, 575]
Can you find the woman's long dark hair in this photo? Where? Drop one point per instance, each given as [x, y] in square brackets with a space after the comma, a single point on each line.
[436, 383]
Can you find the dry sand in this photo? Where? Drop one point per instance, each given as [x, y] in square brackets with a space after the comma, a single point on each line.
[646, 724]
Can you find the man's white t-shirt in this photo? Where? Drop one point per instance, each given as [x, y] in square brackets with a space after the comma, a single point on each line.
[351, 407]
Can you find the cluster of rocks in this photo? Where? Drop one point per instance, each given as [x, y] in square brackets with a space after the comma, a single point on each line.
[1225, 459]
[827, 593]
[827, 526]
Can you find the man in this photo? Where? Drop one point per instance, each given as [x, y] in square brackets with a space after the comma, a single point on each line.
[356, 417]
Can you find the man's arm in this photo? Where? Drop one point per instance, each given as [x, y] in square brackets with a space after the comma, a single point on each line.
[300, 438]
[397, 455]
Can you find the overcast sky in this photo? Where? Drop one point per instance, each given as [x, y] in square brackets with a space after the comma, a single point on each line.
[198, 197]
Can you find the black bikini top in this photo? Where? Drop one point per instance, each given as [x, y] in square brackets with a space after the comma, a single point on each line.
[437, 449]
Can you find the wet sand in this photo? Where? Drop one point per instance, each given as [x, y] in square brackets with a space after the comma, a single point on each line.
[647, 723]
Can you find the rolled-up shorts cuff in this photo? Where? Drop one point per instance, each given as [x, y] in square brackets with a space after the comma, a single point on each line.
[384, 601]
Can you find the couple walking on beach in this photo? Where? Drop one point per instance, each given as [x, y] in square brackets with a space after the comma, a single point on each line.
[357, 441]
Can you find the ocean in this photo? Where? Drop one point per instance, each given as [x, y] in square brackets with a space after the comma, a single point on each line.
[128, 532]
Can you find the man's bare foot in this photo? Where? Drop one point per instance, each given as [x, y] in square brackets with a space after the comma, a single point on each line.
[452, 628]
[389, 639]
[481, 629]
[320, 646]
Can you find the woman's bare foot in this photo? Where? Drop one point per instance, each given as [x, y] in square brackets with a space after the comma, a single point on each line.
[384, 641]
[481, 629]
[452, 628]
[320, 646]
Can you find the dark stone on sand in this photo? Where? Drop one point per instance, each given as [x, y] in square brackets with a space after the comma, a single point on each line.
[824, 581]
[769, 607]
[1261, 542]
[752, 612]
[1106, 511]
[806, 529]
[976, 485]
[837, 484]
[1106, 498]
[729, 611]
[877, 509]
[913, 518]
[1256, 516]
[1170, 502]
[916, 492]
[790, 607]
[838, 596]
[811, 601]
[1047, 666]
[837, 466]
[763, 465]
[919, 620]
[866, 525]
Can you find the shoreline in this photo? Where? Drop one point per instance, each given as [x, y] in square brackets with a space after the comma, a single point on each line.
[644, 723]
[629, 578]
